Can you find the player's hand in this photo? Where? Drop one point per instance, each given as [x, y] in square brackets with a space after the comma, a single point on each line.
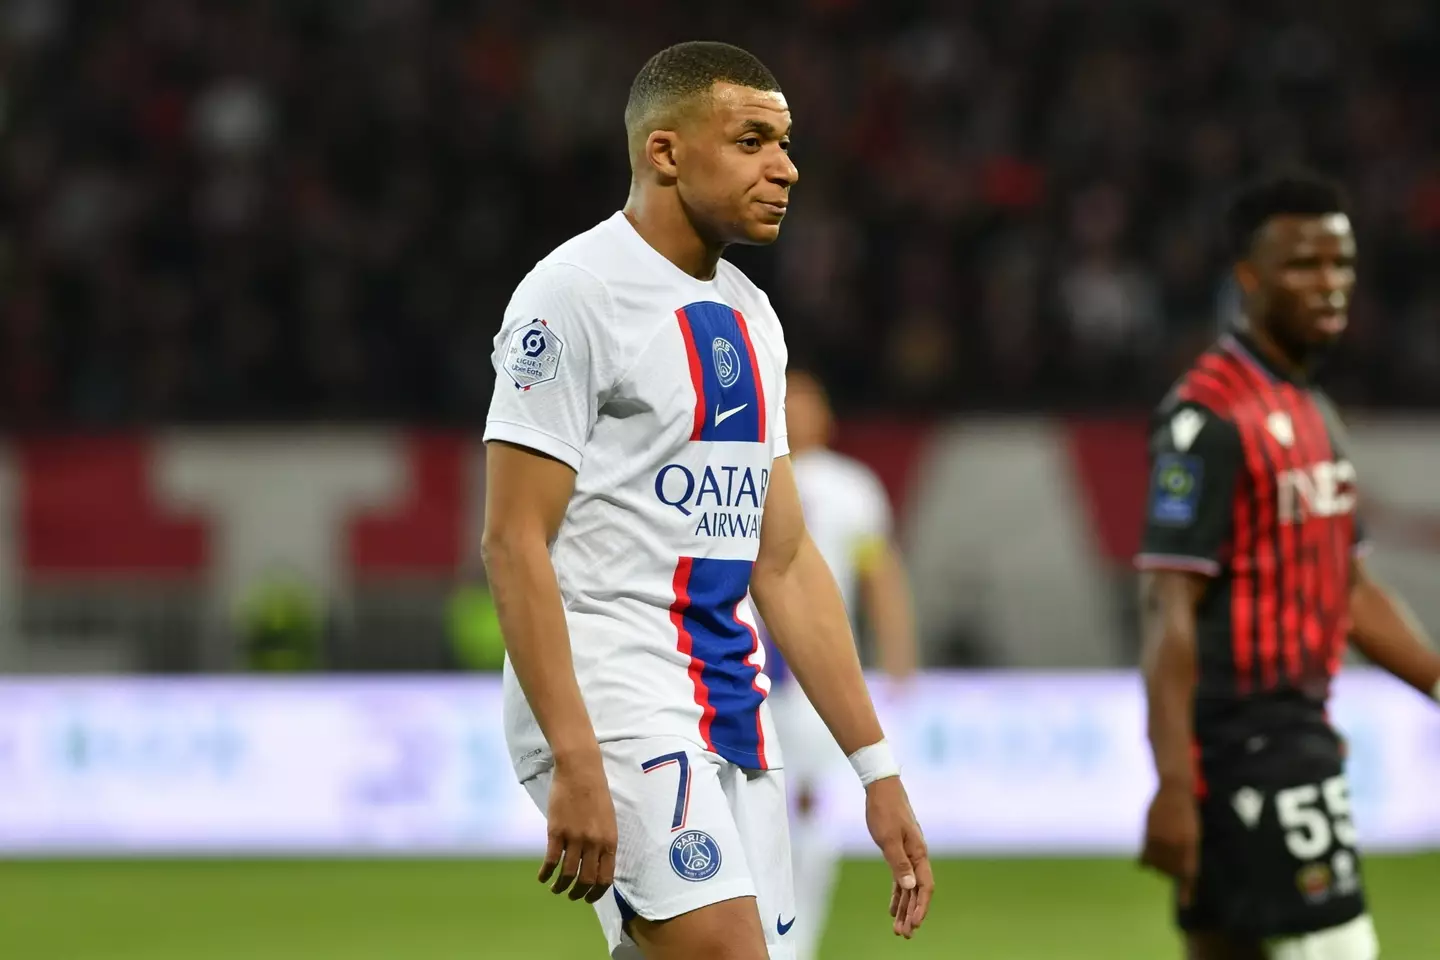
[894, 830]
[1172, 837]
[581, 830]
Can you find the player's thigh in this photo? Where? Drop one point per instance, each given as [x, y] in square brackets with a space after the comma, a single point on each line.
[728, 930]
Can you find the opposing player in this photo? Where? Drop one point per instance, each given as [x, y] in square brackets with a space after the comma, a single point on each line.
[1254, 577]
[639, 493]
[848, 516]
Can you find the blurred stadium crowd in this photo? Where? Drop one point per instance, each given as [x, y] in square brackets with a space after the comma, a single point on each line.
[275, 211]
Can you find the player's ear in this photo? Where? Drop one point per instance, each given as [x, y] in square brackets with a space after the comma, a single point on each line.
[661, 149]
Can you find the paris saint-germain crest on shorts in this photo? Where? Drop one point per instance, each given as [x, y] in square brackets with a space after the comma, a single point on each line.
[727, 362]
[533, 355]
[695, 856]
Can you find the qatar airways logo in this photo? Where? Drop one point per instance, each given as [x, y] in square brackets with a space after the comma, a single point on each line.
[721, 501]
[1323, 490]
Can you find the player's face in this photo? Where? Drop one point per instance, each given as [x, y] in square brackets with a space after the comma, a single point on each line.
[736, 175]
[807, 412]
[1302, 275]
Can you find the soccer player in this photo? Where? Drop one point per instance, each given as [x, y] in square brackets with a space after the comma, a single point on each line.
[1253, 579]
[639, 493]
[848, 516]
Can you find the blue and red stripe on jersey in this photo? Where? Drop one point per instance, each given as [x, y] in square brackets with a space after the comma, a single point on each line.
[716, 337]
[724, 652]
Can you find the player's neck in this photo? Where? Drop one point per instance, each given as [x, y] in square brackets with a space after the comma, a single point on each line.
[662, 223]
[1271, 350]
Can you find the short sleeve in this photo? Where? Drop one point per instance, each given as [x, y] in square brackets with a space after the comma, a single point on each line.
[1195, 459]
[548, 357]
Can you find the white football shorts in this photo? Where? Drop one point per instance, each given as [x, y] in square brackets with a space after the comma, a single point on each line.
[694, 830]
[1355, 940]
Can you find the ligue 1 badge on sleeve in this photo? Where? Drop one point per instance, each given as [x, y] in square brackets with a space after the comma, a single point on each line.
[533, 356]
[1175, 493]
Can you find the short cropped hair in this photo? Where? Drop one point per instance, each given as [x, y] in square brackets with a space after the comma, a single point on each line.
[1299, 193]
[673, 79]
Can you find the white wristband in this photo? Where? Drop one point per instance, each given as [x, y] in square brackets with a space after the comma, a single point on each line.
[875, 762]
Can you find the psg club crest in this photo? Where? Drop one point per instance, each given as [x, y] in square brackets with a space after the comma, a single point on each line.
[694, 856]
[727, 362]
[533, 355]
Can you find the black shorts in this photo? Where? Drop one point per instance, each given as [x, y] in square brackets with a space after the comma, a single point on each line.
[1277, 850]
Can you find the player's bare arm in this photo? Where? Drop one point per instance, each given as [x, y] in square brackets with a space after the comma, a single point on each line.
[1193, 473]
[1168, 599]
[885, 588]
[1385, 630]
[800, 603]
[525, 498]
[796, 595]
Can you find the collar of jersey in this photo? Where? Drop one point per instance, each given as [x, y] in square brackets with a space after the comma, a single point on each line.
[1248, 351]
[633, 236]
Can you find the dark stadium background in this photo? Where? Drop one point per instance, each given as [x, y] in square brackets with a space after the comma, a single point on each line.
[276, 236]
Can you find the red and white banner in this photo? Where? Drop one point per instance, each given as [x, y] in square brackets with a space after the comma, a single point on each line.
[1018, 532]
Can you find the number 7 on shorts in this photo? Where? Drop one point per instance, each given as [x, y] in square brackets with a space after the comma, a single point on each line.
[682, 793]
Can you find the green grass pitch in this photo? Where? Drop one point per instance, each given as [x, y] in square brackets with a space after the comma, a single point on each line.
[466, 910]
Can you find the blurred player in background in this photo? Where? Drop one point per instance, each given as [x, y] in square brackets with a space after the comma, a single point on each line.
[1253, 579]
[636, 443]
[848, 516]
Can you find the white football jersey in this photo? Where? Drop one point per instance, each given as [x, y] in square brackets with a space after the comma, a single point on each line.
[846, 511]
[666, 395]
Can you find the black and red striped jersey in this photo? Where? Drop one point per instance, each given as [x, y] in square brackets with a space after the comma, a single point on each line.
[1250, 485]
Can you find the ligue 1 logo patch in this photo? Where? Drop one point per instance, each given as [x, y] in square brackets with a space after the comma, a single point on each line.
[1175, 489]
[533, 355]
[727, 362]
[694, 856]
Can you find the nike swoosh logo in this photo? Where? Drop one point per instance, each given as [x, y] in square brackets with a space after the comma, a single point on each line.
[782, 926]
[722, 417]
